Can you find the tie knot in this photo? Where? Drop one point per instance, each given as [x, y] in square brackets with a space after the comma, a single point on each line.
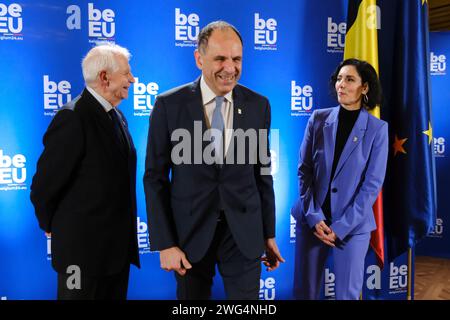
[219, 101]
[114, 116]
[112, 113]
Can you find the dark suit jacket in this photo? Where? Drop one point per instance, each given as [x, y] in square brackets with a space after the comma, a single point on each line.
[84, 191]
[184, 200]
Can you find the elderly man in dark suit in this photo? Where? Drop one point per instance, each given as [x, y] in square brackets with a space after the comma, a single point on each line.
[208, 203]
[84, 187]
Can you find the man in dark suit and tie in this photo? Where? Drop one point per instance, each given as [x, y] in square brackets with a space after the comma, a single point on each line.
[84, 187]
[205, 208]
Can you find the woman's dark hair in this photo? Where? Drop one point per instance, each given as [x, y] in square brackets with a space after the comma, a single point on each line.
[368, 75]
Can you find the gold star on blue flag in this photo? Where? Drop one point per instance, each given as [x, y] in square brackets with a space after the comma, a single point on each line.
[429, 133]
[409, 187]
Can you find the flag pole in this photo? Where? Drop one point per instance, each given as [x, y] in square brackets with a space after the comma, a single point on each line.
[409, 296]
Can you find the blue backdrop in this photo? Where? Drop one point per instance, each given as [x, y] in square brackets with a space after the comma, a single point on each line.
[290, 50]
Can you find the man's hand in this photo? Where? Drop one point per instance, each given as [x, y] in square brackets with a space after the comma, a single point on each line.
[325, 234]
[48, 234]
[273, 256]
[174, 259]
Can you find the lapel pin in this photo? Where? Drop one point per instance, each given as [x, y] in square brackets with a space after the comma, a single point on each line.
[355, 139]
[239, 111]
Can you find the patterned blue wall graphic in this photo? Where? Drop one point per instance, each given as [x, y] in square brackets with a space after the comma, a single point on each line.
[290, 50]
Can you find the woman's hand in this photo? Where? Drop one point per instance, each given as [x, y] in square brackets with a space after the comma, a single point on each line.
[325, 234]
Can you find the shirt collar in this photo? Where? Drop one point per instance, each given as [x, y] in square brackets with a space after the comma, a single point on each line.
[105, 104]
[208, 95]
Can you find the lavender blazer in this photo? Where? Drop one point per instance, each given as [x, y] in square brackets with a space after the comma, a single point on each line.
[358, 177]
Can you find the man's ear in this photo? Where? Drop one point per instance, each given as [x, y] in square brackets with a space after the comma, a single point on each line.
[198, 59]
[103, 76]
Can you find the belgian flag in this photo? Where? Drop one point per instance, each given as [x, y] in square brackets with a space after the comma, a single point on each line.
[361, 42]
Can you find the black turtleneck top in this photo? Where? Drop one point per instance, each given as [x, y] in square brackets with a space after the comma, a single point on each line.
[347, 119]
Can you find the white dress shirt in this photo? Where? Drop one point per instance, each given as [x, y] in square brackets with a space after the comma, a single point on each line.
[209, 104]
[105, 104]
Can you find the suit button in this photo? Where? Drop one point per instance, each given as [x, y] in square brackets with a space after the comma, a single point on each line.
[334, 190]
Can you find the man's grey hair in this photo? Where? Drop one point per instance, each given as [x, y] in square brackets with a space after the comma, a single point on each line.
[205, 33]
[102, 58]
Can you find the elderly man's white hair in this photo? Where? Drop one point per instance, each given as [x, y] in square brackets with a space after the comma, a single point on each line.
[102, 58]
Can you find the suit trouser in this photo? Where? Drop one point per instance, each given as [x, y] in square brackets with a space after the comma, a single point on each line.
[240, 275]
[310, 259]
[113, 287]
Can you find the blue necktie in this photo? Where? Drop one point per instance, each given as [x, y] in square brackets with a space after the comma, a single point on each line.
[218, 124]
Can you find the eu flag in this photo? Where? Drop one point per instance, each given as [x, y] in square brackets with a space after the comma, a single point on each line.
[410, 204]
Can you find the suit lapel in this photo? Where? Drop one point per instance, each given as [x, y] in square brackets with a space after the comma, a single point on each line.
[329, 138]
[196, 110]
[238, 109]
[195, 104]
[103, 120]
[355, 137]
[238, 119]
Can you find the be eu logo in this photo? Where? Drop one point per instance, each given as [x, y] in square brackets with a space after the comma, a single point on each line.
[329, 289]
[335, 36]
[398, 277]
[438, 230]
[301, 99]
[13, 172]
[56, 95]
[265, 33]
[101, 22]
[11, 23]
[142, 236]
[186, 29]
[439, 147]
[438, 64]
[144, 97]
[292, 229]
[267, 289]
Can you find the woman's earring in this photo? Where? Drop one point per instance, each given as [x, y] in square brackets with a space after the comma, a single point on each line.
[365, 98]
